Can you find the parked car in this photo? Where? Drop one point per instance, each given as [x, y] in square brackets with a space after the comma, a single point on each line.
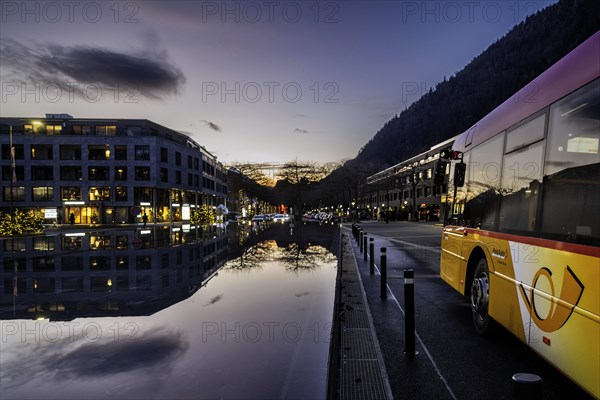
[281, 217]
[259, 217]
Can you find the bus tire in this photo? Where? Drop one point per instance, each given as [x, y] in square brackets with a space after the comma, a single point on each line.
[480, 294]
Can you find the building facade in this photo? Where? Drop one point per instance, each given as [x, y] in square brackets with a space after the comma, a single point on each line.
[106, 171]
[406, 190]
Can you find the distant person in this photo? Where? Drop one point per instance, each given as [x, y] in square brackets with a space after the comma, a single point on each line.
[72, 218]
[60, 218]
[145, 219]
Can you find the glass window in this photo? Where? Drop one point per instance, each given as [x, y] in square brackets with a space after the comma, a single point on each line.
[123, 261]
[120, 193]
[483, 186]
[70, 173]
[142, 194]
[525, 134]
[572, 169]
[19, 152]
[53, 130]
[43, 243]
[43, 264]
[106, 130]
[143, 262]
[7, 173]
[574, 132]
[98, 173]
[42, 193]
[142, 173]
[461, 192]
[121, 152]
[72, 243]
[70, 193]
[98, 152]
[142, 152]
[99, 193]
[134, 130]
[73, 284]
[41, 173]
[100, 283]
[70, 152]
[72, 263]
[41, 152]
[121, 173]
[18, 194]
[43, 285]
[82, 130]
[164, 155]
[98, 242]
[164, 175]
[520, 186]
[178, 158]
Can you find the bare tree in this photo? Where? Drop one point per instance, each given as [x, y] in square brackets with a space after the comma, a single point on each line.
[301, 174]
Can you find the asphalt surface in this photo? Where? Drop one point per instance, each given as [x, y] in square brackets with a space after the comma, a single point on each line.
[452, 360]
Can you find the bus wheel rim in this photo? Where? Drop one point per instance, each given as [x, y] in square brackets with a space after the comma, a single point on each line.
[480, 295]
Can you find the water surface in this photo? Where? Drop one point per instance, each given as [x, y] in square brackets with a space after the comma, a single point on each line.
[178, 319]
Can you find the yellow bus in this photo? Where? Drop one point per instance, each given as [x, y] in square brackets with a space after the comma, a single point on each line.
[522, 238]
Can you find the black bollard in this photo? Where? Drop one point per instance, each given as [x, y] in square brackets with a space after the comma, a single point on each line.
[409, 309]
[365, 247]
[527, 386]
[372, 256]
[361, 233]
[383, 268]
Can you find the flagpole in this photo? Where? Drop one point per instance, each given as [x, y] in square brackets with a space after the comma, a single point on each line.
[12, 173]
[12, 218]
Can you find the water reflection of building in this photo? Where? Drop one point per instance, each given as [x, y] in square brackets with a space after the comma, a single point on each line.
[116, 272]
[98, 169]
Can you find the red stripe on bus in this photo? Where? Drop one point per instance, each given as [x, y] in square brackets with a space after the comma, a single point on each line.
[550, 244]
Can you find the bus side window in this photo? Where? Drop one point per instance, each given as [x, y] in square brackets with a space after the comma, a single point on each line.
[521, 178]
[572, 168]
[484, 184]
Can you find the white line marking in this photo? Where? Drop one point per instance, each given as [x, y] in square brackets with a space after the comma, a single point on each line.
[437, 370]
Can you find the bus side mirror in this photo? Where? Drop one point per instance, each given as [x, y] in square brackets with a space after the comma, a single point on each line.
[440, 172]
[459, 174]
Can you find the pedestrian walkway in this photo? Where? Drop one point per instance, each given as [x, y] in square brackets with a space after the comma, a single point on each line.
[415, 377]
[360, 370]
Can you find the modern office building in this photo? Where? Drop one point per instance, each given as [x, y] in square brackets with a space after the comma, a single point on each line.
[106, 171]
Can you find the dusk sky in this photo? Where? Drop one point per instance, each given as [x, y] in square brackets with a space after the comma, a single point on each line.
[250, 81]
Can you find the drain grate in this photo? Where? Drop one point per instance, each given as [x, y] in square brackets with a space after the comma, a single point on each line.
[362, 373]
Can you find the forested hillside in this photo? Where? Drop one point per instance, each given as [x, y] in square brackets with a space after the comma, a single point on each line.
[489, 79]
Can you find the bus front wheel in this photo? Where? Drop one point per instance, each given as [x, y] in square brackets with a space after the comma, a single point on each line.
[480, 295]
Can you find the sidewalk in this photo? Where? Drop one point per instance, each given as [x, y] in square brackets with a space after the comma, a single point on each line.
[409, 378]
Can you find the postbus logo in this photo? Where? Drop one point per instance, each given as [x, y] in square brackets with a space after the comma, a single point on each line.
[568, 298]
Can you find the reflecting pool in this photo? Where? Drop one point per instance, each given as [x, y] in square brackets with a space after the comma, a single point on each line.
[168, 313]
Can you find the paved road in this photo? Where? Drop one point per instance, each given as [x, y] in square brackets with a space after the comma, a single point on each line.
[453, 361]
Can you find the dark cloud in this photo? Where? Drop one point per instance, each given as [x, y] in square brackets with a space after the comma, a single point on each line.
[212, 125]
[214, 300]
[299, 130]
[149, 73]
[116, 357]
[154, 352]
